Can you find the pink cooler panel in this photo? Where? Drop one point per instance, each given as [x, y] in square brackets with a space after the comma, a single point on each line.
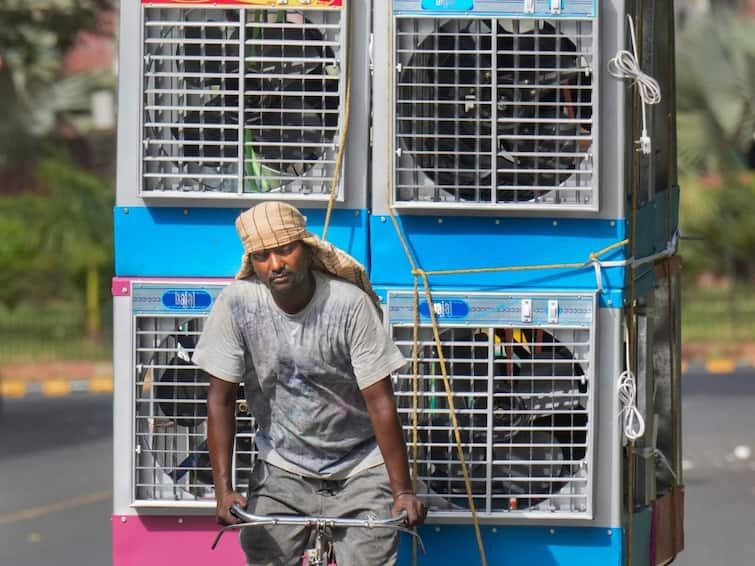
[161, 541]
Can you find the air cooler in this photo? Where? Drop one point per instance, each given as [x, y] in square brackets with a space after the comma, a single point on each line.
[171, 462]
[242, 98]
[521, 373]
[493, 108]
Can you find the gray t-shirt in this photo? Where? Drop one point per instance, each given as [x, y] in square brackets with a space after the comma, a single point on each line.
[303, 373]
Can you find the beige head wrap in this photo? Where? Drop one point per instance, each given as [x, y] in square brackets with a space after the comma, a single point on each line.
[272, 224]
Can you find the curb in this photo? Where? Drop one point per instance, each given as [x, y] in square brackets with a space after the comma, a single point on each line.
[717, 365]
[16, 388]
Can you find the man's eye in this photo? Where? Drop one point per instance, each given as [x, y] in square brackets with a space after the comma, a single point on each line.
[260, 256]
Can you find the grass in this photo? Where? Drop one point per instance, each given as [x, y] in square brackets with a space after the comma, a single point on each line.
[49, 333]
[718, 316]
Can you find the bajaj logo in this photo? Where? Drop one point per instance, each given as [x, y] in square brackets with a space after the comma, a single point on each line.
[186, 299]
[448, 4]
[446, 309]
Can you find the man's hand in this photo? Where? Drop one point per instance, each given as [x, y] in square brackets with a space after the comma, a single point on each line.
[223, 506]
[415, 509]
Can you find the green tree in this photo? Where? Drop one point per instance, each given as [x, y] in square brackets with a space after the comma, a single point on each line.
[716, 93]
[58, 242]
[55, 243]
[76, 233]
[24, 273]
[716, 121]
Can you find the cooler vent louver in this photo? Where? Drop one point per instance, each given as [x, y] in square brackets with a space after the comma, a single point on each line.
[241, 101]
[494, 111]
[172, 462]
[523, 397]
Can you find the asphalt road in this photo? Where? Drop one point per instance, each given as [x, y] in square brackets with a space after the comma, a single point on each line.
[56, 481]
[56, 469]
[719, 469]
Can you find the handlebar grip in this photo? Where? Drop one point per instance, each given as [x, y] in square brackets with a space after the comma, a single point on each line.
[238, 511]
[401, 518]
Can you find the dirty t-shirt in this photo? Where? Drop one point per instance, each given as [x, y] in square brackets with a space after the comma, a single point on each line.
[303, 372]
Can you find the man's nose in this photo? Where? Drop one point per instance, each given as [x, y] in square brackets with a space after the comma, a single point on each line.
[276, 262]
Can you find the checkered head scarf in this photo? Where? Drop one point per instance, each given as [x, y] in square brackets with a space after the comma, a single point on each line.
[273, 224]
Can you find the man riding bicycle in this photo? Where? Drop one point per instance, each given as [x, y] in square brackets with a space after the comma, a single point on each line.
[301, 328]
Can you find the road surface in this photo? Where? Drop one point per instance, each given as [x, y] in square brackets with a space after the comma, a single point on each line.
[56, 476]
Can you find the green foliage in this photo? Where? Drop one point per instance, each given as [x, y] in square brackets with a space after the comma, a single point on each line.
[720, 219]
[715, 93]
[53, 245]
[22, 267]
[77, 216]
[715, 124]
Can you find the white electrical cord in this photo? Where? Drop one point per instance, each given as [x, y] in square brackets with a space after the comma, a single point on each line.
[624, 65]
[634, 424]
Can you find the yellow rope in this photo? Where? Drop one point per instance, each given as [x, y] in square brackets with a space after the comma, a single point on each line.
[607, 249]
[344, 132]
[594, 256]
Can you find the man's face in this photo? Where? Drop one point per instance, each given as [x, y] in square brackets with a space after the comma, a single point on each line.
[285, 269]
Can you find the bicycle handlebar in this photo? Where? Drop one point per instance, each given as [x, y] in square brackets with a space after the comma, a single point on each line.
[251, 520]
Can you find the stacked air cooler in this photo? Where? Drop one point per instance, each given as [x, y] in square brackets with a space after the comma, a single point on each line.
[483, 135]
[501, 141]
[223, 104]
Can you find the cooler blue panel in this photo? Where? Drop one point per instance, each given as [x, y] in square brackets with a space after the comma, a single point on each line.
[202, 242]
[516, 546]
[569, 8]
[456, 242]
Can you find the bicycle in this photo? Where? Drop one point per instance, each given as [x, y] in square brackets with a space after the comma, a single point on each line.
[321, 553]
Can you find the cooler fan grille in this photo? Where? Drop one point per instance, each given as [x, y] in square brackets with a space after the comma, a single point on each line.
[494, 111]
[172, 463]
[523, 402]
[241, 101]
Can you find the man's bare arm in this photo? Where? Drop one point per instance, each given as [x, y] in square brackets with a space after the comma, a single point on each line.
[221, 427]
[381, 407]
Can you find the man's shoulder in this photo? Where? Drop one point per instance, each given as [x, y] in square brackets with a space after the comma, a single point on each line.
[342, 290]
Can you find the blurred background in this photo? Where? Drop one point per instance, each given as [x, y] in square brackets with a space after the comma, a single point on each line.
[57, 139]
